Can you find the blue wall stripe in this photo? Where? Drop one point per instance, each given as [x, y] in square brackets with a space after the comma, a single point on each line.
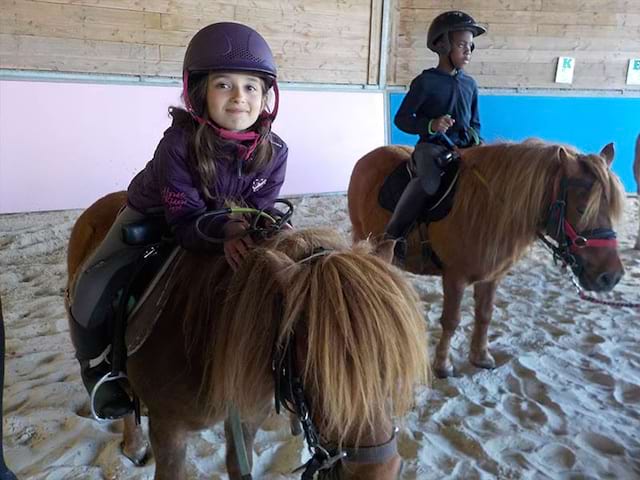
[588, 123]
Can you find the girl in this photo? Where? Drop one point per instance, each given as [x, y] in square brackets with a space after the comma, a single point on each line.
[219, 149]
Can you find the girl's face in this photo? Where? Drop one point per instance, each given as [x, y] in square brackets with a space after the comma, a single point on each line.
[235, 100]
[461, 43]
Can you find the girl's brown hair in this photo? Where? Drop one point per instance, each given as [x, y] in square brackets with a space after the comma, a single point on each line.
[206, 147]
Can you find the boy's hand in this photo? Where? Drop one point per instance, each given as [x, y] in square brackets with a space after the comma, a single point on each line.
[442, 124]
[236, 247]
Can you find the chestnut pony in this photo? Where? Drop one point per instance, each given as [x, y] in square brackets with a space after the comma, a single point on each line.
[507, 195]
[353, 321]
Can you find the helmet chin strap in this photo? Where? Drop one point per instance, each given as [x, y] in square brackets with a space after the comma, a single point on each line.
[236, 136]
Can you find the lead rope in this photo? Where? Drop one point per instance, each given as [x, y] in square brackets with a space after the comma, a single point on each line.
[611, 303]
[581, 291]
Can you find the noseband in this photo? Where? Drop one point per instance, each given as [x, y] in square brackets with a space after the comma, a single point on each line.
[569, 242]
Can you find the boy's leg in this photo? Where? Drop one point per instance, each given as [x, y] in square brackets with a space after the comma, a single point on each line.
[426, 161]
[411, 203]
[415, 196]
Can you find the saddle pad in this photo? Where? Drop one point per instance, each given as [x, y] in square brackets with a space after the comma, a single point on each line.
[145, 314]
[441, 202]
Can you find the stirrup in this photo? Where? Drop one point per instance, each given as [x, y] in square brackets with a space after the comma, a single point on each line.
[108, 377]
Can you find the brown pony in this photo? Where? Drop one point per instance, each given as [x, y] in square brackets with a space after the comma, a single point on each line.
[355, 323]
[502, 203]
[636, 175]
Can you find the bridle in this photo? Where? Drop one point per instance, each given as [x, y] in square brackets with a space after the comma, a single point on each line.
[289, 393]
[568, 240]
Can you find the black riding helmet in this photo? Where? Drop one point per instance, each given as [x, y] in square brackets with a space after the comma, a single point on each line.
[452, 21]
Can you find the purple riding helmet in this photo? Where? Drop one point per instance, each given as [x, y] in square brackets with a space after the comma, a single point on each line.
[452, 21]
[230, 46]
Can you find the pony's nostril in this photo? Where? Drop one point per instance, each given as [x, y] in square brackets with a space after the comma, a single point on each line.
[608, 280]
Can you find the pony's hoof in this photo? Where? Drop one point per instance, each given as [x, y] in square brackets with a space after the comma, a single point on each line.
[483, 361]
[444, 372]
[139, 456]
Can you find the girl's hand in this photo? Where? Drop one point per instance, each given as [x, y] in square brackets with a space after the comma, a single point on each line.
[442, 124]
[237, 246]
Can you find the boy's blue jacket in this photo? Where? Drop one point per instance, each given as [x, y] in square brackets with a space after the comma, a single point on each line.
[435, 93]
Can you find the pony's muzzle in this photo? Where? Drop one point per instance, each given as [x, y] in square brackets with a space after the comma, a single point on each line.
[607, 280]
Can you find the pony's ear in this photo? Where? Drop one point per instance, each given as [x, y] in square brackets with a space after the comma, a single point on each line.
[607, 153]
[282, 267]
[567, 160]
[564, 156]
[384, 250]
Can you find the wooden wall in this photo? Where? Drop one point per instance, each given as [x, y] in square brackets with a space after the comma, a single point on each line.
[524, 40]
[328, 41]
[323, 41]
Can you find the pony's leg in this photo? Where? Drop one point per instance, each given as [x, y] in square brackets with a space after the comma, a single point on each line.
[249, 430]
[169, 445]
[134, 445]
[484, 295]
[453, 288]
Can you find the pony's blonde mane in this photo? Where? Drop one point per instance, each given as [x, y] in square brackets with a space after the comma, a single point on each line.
[358, 320]
[505, 191]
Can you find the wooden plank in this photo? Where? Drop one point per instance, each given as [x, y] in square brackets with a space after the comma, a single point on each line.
[159, 6]
[375, 32]
[193, 21]
[572, 6]
[37, 13]
[332, 7]
[322, 76]
[307, 25]
[588, 31]
[527, 56]
[470, 5]
[410, 27]
[502, 42]
[51, 46]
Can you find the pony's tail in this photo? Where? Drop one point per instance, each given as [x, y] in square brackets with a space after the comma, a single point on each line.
[367, 342]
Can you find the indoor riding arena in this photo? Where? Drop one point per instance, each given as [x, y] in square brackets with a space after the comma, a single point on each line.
[523, 361]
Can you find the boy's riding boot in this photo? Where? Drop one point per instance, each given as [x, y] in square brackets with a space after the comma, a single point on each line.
[111, 401]
[411, 203]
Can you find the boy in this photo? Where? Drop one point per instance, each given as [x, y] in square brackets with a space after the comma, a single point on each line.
[440, 100]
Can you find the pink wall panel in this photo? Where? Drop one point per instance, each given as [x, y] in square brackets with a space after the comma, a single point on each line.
[62, 145]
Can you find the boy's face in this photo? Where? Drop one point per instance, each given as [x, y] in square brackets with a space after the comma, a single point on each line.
[461, 43]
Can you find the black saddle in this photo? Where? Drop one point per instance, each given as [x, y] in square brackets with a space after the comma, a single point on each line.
[154, 236]
[440, 203]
